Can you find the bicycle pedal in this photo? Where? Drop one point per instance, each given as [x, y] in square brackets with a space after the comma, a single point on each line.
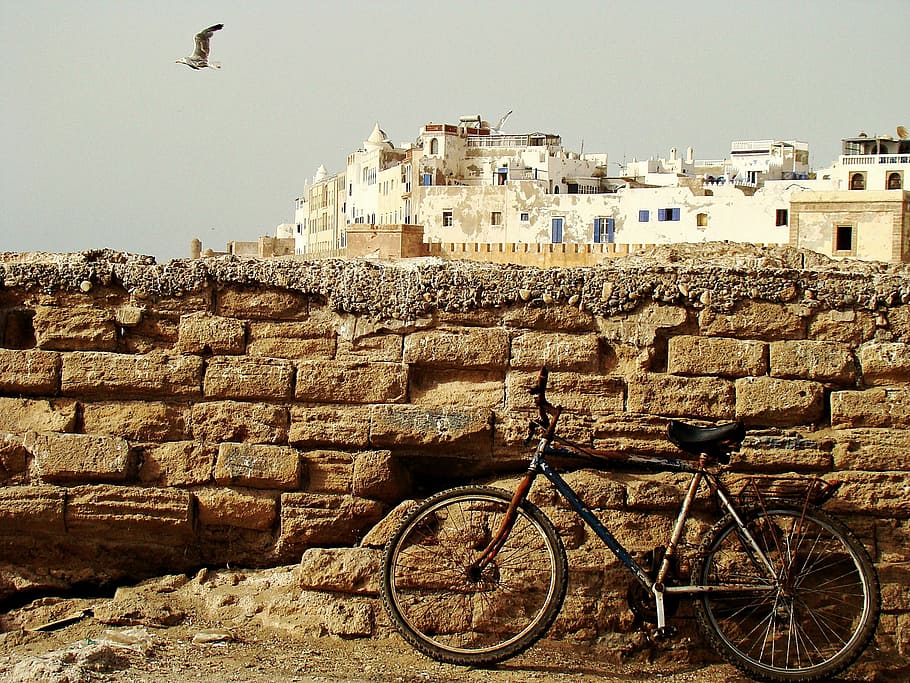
[666, 633]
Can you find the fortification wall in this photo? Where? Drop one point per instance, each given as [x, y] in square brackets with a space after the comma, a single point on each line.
[161, 418]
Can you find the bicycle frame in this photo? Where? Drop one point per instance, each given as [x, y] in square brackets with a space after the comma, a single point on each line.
[657, 587]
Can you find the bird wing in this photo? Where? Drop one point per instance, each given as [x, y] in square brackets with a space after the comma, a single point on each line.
[202, 41]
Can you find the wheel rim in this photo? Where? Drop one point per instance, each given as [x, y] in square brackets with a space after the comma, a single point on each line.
[816, 604]
[445, 602]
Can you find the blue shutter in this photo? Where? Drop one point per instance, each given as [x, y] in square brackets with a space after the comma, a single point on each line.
[556, 230]
[610, 231]
[598, 231]
[675, 216]
[644, 216]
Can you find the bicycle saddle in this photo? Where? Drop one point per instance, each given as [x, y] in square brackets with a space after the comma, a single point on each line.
[716, 442]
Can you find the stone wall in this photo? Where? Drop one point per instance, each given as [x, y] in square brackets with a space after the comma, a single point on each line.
[161, 418]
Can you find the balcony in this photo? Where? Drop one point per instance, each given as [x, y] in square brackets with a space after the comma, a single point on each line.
[872, 159]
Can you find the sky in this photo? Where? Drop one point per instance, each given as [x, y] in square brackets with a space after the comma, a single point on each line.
[108, 143]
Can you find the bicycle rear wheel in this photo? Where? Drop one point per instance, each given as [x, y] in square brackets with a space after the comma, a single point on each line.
[808, 621]
[448, 611]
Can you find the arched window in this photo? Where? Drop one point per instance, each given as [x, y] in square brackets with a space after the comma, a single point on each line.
[895, 182]
[434, 146]
[858, 181]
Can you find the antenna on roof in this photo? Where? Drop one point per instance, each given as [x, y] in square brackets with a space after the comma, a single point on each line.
[498, 127]
[902, 133]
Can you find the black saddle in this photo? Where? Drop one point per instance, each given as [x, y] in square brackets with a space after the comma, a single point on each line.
[715, 442]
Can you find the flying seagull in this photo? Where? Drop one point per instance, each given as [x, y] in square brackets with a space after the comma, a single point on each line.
[200, 58]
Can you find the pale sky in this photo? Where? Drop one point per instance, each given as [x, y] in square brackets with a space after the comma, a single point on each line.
[108, 143]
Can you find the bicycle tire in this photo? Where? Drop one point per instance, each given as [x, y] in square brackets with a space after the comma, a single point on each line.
[454, 616]
[816, 616]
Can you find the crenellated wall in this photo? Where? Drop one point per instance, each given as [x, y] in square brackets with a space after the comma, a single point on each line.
[160, 418]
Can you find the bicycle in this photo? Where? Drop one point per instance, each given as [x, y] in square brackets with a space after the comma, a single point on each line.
[784, 591]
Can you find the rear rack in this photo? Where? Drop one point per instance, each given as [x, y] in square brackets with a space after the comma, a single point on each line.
[800, 490]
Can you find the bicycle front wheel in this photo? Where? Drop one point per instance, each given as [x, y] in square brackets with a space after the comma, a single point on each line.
[808, 615]
[448, 610]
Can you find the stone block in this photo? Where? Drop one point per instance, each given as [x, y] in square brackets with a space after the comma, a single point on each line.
[347, 426]
[248, 378]
[640, 328]
[776, 450]
[676, 396]
[313, 519]
[244, 509]
[847, 327]
[178, 463]
[875, 407]
[310, 339]
[814, 360]
[137, 420]
[576, 392]
[872, 450]
[29, 372]
[260, 303]
[899, 323]
[120, 376]
[557, 318]
[31, 510]
[881, 494]
[354, 571]
[387, 348]
[318, 613]
[884, 363]
[75, 328]
[357, 382]
[204, 333]
[24, 414]
[128, 513]
[464, 347]
[13, 458]
[723, 356]
[754, 320]
[240, 422]
[469, 388]
[380, 476]
[770, 401]
[258, 466]
[423, 427]
[599, 490]
[79, 457]
[558, 351]
[329, 471]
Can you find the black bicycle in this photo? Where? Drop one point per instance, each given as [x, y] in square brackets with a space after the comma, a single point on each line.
[784, 591]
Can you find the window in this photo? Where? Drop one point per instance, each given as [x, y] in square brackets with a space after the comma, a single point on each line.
[603, 230]
[644, 216]
[426, 179]
[524, 217]
[668, 214]
[781, 217]
[701, 220]
[447, 219]
[556, 230]
[844, 240]
[858, 181]
[895, 181]
[496, 218]
[434, 146]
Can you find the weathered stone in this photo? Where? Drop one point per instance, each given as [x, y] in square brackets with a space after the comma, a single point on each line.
[783, 451]
[320, 614]
[343, 382]
[377, 347]
[75, 328]
[662, 394]
[872, 449]
[565, 352]
[847, 327]
[240, 422]
[754, 320]
[778, 402]
[899, 323]
[344, 570]
[574, 391]
[559, 318]
[329, 426]
[203, 333]
[814, 360]
[114, 375]
[691, 355]
[469, 388]
[13, 457]
[641, 328]
[248, 378]
[258, 466]
[32, 509]
[138, 515]
[884, 363]
[329, 471]
[453, 427]
[458, 348]
[599, 490]
[884, 494]
[260, 303]
[79, 457]
[178, 463]
[23, 414]
[876, 407]
[308, 339]
[379, 475]
[312, 519]
[245, 509]
[29, 372]
[142, 604]
[136, 420]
